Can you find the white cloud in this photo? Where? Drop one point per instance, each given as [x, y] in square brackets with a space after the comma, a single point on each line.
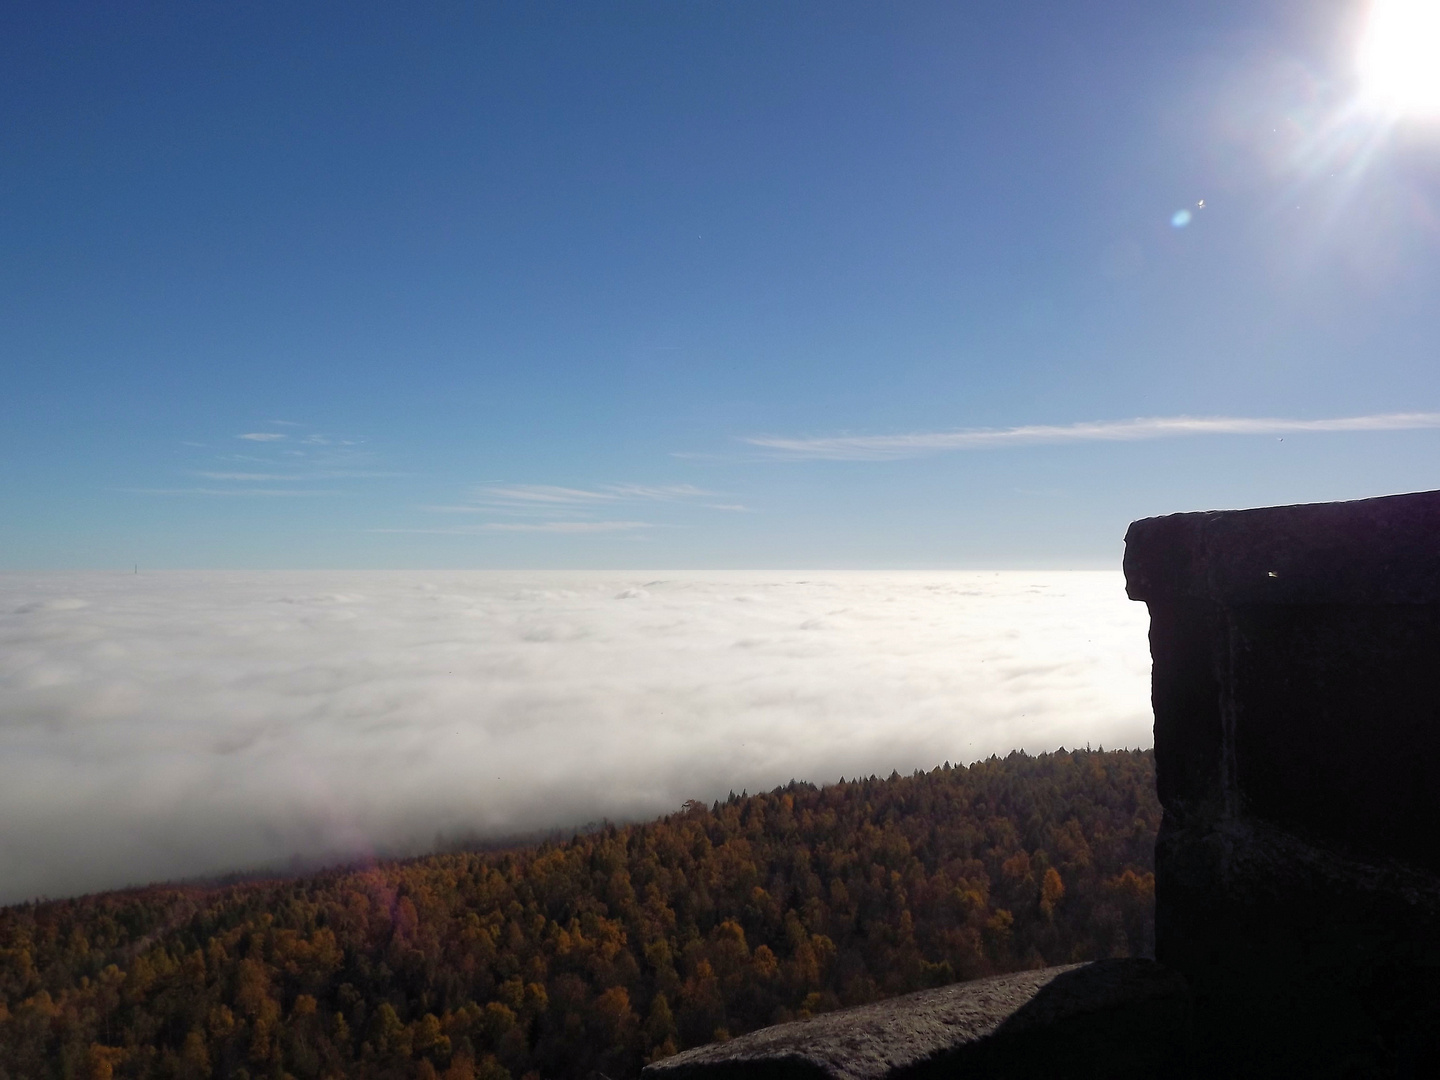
[542, 496]
[880, 447]
[543, 493]
[575, 527]
[564, 526]
[266, 464]
[659, 493]
[547, 502]
[162, 725]
[252, 491]
[242, 475]
[308, 474]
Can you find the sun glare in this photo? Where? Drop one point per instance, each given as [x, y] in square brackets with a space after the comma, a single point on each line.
[1400, 57]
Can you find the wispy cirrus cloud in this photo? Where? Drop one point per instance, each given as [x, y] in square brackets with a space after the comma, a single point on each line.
[539, 494]
[275, 465]
[226, 491]
[550, 499]
[661, 493]
[553, 508]
[316, 438]
[883, 447]
[549, 495]
[565, 526]
[309, 474]
[251, 476]
[568, 527]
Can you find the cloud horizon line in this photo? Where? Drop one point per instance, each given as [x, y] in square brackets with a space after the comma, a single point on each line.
[915, 444]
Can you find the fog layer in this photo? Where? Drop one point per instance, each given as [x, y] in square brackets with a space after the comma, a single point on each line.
[167, 725]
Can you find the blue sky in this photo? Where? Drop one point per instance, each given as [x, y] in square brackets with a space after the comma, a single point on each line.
[695, 284]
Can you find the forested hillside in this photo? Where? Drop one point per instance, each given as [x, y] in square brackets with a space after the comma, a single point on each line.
[617, 947]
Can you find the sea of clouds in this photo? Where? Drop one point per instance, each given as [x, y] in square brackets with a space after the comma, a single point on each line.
[158, 726]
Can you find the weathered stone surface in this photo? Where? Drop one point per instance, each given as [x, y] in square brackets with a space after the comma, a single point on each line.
[1113, 1018]
[1370, 551]
[1296, 690]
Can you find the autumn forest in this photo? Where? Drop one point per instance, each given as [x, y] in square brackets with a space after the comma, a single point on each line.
[616, 947]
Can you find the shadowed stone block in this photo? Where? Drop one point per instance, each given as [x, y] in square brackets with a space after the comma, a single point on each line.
[1296, 689]
[1112, 1018]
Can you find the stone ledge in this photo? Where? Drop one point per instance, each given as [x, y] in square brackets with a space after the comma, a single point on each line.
[1112, 1018]
[1372, 551]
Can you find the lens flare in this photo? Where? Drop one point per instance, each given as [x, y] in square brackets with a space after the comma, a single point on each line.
[1180, 219]
[1400, 57]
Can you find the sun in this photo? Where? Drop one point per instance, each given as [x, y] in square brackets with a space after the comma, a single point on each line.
[1400, 57]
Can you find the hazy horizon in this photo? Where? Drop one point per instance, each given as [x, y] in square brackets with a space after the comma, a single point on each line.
[179, 724]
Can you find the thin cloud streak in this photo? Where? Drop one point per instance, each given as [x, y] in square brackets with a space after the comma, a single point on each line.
[250, 476]
[546, 495]
[564, 526]
[235, 491]
[883, 447]
[276, 459]
[556, 509]
[658, 493]
[308, 474]
[569, 527]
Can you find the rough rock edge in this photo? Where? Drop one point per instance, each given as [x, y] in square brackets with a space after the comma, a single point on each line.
[901, 1034]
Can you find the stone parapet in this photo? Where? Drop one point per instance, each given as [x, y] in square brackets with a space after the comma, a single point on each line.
[1296, 688]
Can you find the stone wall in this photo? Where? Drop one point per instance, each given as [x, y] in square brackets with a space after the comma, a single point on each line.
[1297, 742]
